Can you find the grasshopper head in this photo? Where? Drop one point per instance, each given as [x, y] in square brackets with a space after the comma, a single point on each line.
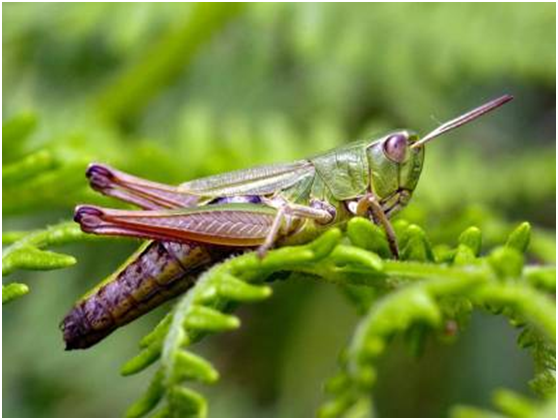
[395, 167]
[396, 160]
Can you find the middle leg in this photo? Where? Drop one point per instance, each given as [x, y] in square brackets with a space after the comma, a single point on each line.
[287, 213]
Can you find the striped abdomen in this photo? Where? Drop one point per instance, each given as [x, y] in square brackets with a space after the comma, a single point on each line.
[161, 271]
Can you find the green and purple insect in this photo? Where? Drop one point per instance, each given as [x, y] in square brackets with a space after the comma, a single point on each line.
[201, 222]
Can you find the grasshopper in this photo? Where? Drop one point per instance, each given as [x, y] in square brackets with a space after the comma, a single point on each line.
[196, 224]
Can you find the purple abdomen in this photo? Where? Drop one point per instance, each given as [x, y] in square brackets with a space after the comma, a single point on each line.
[160, 272]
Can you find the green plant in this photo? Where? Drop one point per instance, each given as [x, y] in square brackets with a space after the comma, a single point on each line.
[173, 92]
[431, 292]
[26, 253]
[432, 289]
[36, 177]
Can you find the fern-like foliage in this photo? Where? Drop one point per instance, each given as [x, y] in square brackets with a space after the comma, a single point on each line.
[431, 290]
[27, 180]
[38, 176]
[26, 252]
[509, 404]
[200, 312]
[443, 297]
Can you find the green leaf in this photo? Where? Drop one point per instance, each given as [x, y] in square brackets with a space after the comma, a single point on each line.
[13, 291]
[191, 366]
[143, 360]
[202, 318]
[519, 239]
[506, 262]
[365, 234]
[416, 246]
[472, 238]
[150, 399]
[543, 277]
[26, 253]
[187, 403]
[31, 258]
[229, 287]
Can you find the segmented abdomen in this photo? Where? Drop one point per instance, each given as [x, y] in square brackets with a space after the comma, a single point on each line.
[162, 271]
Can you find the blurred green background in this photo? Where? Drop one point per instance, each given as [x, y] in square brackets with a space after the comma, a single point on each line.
[176, 91]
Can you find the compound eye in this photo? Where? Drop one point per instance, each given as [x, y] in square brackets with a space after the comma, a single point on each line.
[395, 147]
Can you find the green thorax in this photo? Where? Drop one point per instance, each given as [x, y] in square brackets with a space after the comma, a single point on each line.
[345, 170]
